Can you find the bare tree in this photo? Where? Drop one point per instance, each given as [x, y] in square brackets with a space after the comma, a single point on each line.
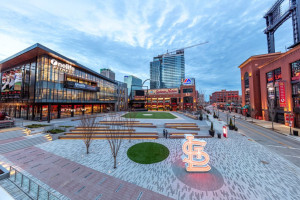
[89, 125]
[252, 112]
[272, 110]
[114, 137]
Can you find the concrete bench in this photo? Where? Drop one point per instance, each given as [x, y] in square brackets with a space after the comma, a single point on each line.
[188, 128]
[103, 137]
[195, 136]
[123, 133]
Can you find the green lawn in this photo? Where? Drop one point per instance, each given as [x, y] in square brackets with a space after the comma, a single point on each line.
[149, 115]
[148, 152]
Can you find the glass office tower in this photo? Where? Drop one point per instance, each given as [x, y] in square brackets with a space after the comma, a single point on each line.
[167, 70]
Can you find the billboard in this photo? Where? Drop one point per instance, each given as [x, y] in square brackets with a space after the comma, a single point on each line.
[11, 80]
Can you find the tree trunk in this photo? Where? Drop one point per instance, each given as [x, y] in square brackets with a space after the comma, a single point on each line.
[87, 149]
[115, 162]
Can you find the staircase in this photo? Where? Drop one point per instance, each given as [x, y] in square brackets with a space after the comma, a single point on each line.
[21, 144]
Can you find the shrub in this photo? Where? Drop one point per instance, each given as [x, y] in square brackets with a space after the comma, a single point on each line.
[55, 131]
[36, 125]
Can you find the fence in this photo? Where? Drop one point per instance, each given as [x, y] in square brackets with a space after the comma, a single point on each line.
[29, 187]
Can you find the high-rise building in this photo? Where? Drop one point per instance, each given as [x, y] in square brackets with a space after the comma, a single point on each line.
[108, 73]
[133, 83]
[167, 70]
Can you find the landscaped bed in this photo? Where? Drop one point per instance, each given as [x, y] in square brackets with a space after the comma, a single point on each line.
[36, 125]
[55, 131]
[149, 115]
[148, 152]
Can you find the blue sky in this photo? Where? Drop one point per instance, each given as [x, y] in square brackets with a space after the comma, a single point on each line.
[126, 35]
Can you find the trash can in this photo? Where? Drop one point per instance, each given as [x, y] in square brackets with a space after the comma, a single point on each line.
[295, 133]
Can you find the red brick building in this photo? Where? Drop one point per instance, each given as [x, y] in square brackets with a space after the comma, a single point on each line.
[225, 97]
[250, 80]
[183, 98]
[274, 78]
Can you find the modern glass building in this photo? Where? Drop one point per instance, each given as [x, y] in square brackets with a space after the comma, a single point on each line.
[133, 83]
[167, 70]
[41, 84]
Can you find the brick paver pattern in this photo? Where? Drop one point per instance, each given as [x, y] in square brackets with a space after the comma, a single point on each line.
[74, 180]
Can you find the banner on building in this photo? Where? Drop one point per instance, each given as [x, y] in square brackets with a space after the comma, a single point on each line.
[282, 99]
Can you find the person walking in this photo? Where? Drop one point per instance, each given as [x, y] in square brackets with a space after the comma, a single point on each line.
[164, 133]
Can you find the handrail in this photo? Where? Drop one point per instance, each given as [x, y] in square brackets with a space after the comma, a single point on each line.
[50, 195]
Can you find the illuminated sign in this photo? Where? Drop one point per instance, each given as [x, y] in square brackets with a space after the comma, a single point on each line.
[187, 81]
[163, 91]
[195, 158]
[61, 66]
[80, 86]
[282, 99]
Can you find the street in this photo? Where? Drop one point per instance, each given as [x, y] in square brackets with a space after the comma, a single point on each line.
[283, 145]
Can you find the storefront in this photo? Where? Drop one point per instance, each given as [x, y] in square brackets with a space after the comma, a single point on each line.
[40, 84]
[171, 99]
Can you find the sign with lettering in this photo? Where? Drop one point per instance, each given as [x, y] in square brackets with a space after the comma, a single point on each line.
[81, 86]
[282, 99]
[62, 66]
[195, 158]
[163, 91]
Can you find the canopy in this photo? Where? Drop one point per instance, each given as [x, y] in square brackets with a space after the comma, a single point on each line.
[245, 107]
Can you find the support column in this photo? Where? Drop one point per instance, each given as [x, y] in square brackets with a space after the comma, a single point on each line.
[271, 42]
[49, 113]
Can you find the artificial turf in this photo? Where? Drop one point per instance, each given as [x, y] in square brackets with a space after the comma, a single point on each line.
[148, 152]
[155, 115]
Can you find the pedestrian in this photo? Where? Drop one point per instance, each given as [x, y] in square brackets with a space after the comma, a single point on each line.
[164, 132]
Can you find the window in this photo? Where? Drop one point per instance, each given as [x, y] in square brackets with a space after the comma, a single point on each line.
[246, 80]
[188, 90]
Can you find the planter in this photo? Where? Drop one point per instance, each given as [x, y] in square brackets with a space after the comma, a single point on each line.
[212, 133]
[219, 135]
[236, 129]
[200, 118]
[231, 127]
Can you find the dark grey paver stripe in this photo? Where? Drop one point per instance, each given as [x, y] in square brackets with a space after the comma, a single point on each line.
[16, 154]
[35, 166]
[65, 165]
[55, 175]
[39, 154]
[48, 157]
[140, 195]
[98, 197]
[21, 157]
[80, 189]
[120, 186]
[56, 161]
[27, 162]
[75, 169]
[45, 170]
[102, 180]
[33, 151]
[88, 174]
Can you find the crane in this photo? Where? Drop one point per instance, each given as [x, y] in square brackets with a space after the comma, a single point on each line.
[181, 49]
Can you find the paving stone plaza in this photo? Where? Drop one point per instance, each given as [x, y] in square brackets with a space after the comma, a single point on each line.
[241, 168]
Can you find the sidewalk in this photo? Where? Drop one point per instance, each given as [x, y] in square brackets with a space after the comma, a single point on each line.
[279, 128]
